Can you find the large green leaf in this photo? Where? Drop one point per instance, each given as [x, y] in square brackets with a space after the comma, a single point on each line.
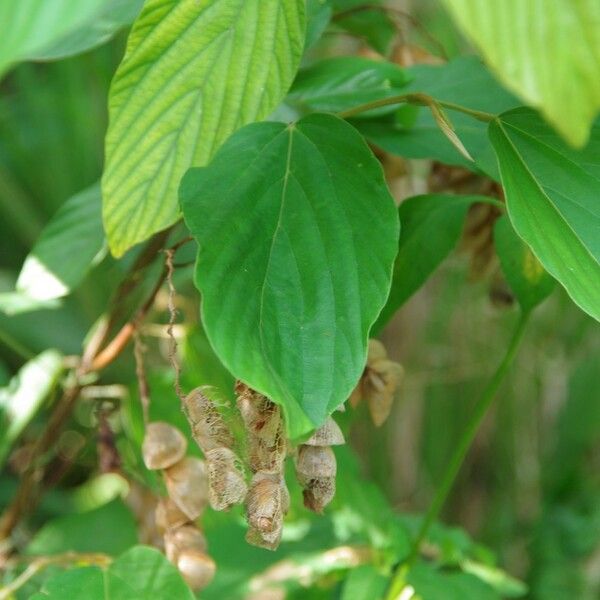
[141, 573]
[194, 72]
[318, 13]
[523, 271]
[339, 83]
[30, 25]
[546, 51]
[552, 196]
[465, 81]
[296, 263]
[431, 227]
[72, 242]
[110, 529]
[113, 15]
[20, 400]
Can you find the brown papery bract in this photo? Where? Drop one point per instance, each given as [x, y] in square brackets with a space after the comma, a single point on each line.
[196, 567]
[163, 446]
[187, 485]
[226, 483]
[208, 427]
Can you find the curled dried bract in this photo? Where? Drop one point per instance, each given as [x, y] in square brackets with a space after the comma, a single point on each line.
[208, 427]
[318, 493]
[226, 483]
[187, 485]
[315, 461]
[168, 515]
[163, 446]
[266, 502]
[186, 537]
[197, 568]
[329, 434]
[261, 417]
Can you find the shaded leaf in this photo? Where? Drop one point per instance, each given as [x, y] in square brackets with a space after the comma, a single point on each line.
[523, 271]
[71, 243]
[560, 72]
[552, 199]
[23, 396]
[14, 303]
[464, 81]
[30, 25]
[364, 583]
[431, 227]
[296, 263]
[335, 84]
[318, 14]
[110, 529]
[113, 16]
[194, 72]
[142, 573]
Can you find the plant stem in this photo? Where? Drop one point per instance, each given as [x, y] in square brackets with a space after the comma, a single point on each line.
[460, 452]
[416, 99]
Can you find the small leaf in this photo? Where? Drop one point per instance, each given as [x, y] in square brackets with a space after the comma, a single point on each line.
[23, 396]
[194, 72]
[523, 271]
[335, 84]
[295, 265]
[431, 227]
[318, 14]
[141, 573]
[552, 196]
[110, 529]
[506, 585]
[113, 16]
[30, 25]
[463, 80]
[71, 243]
[561, 72]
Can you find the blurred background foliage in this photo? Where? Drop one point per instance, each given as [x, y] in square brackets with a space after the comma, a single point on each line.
[529, 492]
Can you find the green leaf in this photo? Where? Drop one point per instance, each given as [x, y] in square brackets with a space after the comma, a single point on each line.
[110, 529]
[465, 81]
[506, 585]
[14, 303]
[546, 51]
[141, 573]
[366, 21]
[335, 84]
[523, 271]
[23, 396]
[295, 265]
[318, 14]
[552, 196]
[113, 16]
[364, 583]
[71, 243]
[30, 25]
[431, 227]
[194, 72]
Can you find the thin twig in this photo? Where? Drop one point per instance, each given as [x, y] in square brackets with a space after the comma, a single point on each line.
[173, 359]
[140, 372]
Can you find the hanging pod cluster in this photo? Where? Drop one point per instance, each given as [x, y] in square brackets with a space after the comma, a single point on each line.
[379, 382]
[164, 448]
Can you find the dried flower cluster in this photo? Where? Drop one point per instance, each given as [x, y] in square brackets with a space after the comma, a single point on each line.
[226, 483]
[378, 384]
[268, 498]
[164, 449]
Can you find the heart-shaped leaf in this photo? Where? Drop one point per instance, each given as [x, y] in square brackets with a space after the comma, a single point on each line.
[295, 264]
[194, 72]
[552, 196]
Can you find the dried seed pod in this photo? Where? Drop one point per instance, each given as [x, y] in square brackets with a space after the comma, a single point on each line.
[187, 537]
[208, 427]
[163, 446]
[226, 483]
[264, 456]
[381, 387]
[265, 502]
[315, 461]
[168, 515]
[318, 493]
[375, 351]
[197, 568]
[329, 434]
[187, 485]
